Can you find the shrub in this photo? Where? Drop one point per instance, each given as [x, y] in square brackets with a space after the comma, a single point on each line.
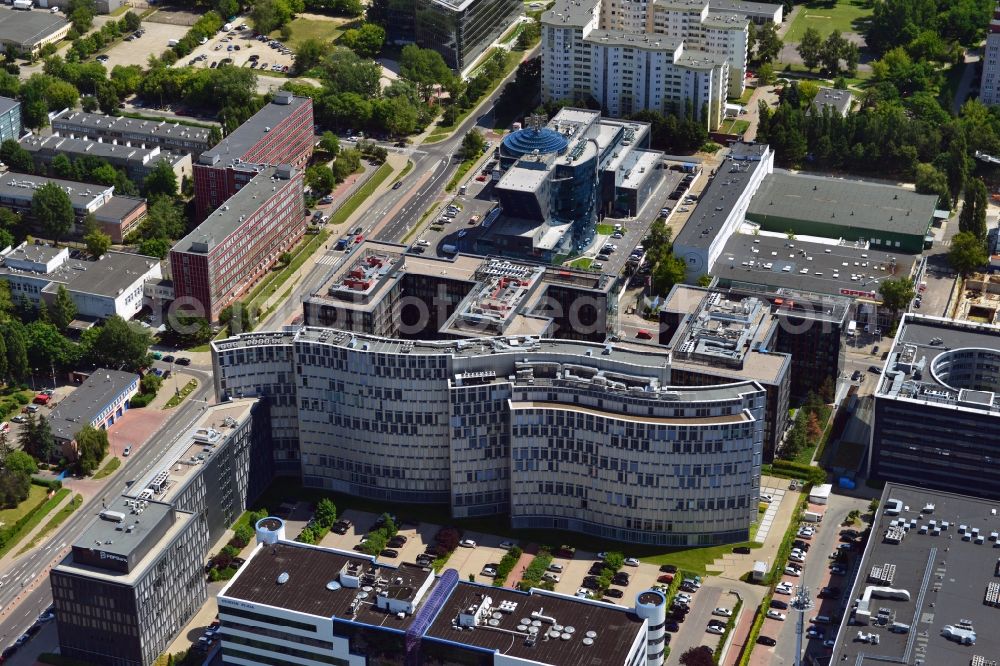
[506, 565]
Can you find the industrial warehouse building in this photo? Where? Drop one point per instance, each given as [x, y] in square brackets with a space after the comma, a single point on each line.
[889, 218]
[28, 31]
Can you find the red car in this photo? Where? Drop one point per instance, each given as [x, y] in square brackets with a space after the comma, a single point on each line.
[643, 334]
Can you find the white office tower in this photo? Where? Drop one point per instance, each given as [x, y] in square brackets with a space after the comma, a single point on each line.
[651, 605]
[989, 92]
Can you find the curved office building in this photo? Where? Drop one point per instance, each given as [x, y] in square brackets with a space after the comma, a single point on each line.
[557, 434]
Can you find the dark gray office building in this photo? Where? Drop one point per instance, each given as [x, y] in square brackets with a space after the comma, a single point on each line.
[130, 583]
[135, 576]
[460, 31]
[937, 408]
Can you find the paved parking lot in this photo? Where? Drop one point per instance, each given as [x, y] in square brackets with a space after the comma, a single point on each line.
[137, 52]
[224, 45]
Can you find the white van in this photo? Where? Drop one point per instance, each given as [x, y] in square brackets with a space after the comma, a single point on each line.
[173, 42]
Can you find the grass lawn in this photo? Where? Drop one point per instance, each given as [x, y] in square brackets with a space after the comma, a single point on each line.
[112, 465]
[55, 522]
[303, 29]
[734, 126]
[44, 506]
[583, 263]
[827, 16]
[183, 393]
[355, 200]
[36, 495]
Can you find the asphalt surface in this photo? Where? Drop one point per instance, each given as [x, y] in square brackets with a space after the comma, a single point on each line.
[16, 579]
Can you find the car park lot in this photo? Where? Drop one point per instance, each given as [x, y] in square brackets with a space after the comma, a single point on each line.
[243, 49]
[815, 576]
[153, 42]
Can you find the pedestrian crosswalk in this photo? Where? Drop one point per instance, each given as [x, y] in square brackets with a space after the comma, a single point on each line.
[329, 259]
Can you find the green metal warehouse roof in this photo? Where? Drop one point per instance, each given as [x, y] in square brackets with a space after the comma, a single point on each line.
[837, 201]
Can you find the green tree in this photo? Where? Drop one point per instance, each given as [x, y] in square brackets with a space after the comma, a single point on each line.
[150, 383]
[326, 513]
[425, 67]
[308, 54]
[36, 438]
[347, 162]
[98, 242]
[155, 247]
[966, 254]
[16, 157]
[768, 44]
[53, 210]
[164, 219]
[17, 351]
[269, 15]
[972, 219]
[131, 21]
[614, 560]
[897, 294]
[91, 448]
[20, 462]
[320, 179]
[930, 180]
[14, 488]
[670, 271]
[117, 344]
[366, 40]
[161, 181]
[63, 309]
[473, 145]
[811, 48]
[698, 656]
[62, 167]
[765, 74]
[243, 534]
[329, 143]
[238, 317]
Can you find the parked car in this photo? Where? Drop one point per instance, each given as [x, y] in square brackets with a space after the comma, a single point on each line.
[183, 360]
[775, 615]
[389, 552]
[614, 593]
[554, 577]
[668, 568]
[780, 605]
[556, 568]
[723, 612]
[127, 451]
[489, 570]
[715, 629]
[793, 572]
[767, 640]
[467, 543]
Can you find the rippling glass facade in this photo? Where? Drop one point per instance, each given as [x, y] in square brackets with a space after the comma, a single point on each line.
[461, 32]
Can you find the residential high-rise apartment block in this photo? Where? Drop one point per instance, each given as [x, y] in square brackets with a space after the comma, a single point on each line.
[225, 255]
[557, 434]
[683, 56]
[280, 133]
[989, 89]
[135, 576]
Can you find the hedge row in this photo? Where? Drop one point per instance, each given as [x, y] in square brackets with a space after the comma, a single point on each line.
[794, 470]
[51, 484]
[533, 574]
[730, 625]
[506, 565]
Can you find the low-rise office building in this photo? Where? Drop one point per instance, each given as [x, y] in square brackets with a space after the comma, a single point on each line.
[116, 215]
[26, 32]
[234, 247]
[886, 217]
[173, 137]
[276, 609]
[10, 119]
[100, 288]
[837, 100]
[386, 291]
[281, 133]
[136, 161]
[511, 425]
[98, 402]
[927, 590]
[722, 207]
[945, 376]
[135, 577]
[557, 178]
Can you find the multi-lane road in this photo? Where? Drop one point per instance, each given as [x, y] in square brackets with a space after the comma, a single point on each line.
[25, 591]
